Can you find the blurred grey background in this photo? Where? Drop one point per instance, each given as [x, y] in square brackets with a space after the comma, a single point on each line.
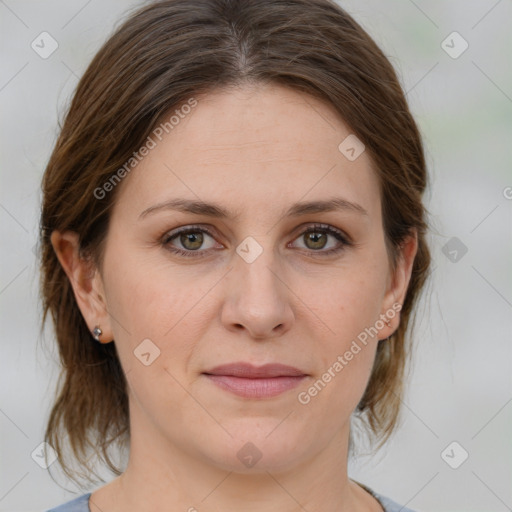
[460, 90]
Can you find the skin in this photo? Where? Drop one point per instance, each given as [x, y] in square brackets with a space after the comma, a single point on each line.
[254, 150]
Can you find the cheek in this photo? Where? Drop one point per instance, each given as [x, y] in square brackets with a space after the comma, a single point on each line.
[149, 296]
[348, 307]
[167, 306]
[347, 301]
[157, 323]
[346, 354]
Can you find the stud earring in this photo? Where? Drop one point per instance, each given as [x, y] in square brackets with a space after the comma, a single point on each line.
[96, 333]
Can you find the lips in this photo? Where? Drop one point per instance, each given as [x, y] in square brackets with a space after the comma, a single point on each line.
[248, 381]
[248, 371]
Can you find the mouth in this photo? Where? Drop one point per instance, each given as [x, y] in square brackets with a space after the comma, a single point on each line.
[248, 381]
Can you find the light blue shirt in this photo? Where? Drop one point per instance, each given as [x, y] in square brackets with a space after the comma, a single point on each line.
[81, 504]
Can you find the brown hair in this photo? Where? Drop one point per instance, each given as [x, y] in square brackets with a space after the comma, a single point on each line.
[161, 56]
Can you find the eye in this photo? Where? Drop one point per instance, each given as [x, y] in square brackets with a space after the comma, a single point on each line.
[191, 240]
[316, 238]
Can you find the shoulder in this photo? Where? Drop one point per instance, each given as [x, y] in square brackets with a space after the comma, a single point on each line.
[80, 504]
[387, 504]
[390, 505]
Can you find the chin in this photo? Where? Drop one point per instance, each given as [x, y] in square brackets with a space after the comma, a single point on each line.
[261, 450]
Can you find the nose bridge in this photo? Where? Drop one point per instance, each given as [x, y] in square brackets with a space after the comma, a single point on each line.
[259, 285]
[258, 300]
[259, 275]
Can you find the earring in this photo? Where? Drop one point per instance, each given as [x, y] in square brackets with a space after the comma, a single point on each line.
[388, 323]
[96, 333]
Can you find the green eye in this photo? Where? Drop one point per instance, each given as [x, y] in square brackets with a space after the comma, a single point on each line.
[316, 238]
[191, 240]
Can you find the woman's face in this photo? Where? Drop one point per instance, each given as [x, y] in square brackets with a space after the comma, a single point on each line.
[265, 283]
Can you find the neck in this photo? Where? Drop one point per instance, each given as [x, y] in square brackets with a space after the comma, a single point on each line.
[163, 476]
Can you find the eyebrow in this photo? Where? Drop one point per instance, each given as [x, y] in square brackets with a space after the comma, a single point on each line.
[216, 210]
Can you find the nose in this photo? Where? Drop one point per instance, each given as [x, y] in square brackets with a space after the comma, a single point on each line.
[256, 298]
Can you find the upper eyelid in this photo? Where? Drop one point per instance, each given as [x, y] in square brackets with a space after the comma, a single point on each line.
[168, 235]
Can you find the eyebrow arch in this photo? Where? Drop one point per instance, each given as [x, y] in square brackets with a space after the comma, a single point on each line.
[215, 210]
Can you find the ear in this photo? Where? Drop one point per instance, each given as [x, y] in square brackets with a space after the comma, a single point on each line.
[398, 283]
[86, 282]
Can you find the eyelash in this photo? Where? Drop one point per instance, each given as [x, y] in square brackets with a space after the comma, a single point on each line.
[316, 228]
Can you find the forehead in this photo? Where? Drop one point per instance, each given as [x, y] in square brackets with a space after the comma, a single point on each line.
[255, 148]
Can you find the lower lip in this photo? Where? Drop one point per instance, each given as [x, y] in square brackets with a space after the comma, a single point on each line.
[256, 388]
